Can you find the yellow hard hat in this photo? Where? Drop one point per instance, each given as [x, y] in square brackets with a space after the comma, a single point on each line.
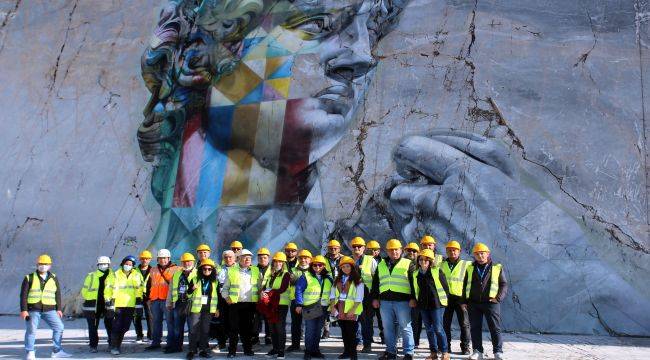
[44, 259]
[304, 253]
[393, 244]
[346, 260]
[207, 262]
[203, 247]
[427, 239]
[187, 257]
[358, 241]
[264, 251]
[291, 246]
[280, 257]
[145, 254]
[480, 247]
[412, 246]
[236, 244]
[453, 245]
[373, 245]
[427, 253]
[333, 243]
[319, 259]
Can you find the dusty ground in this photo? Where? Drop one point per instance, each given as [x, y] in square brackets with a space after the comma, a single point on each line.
[517, 346]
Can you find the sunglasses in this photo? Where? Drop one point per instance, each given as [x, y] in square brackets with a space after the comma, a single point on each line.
[411, 251]
[317, 265]
[207, 269]
[357, 246]
[291, 250]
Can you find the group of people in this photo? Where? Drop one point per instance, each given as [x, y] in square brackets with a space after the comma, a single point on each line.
[409, 288]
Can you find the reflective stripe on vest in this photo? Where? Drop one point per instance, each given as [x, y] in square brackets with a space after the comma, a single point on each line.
[366, 270]
[233, 278]
[126, 289]
[297, 273]
[349, 300]
[455, 277]
[442, 295]
[90, 290]
[313, 290]
[495, 272]
[176, 279]
[46, 296]
[196, 299]
[398, 280]
[277, 283]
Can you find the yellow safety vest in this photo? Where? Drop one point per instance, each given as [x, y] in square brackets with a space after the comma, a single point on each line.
[277, 282]
[46, 296]
[442, 295]
[396, 281]
[298, 272]
[456, 276]
[233, 278]
[197, 295]
[313, 290]
[348, 303]
[90, 290]
[495, 271]
[124, 289]
[176, 279]
[366, 270]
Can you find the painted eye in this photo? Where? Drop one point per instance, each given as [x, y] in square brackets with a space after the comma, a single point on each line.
[313, 26]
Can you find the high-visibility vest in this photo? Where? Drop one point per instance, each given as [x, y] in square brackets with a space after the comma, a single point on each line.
[348, 303]
[396, 281]
[297, 272]
[233, 278]
[160, 282]
[313, 290]
[123, 289]
[45, 296]
[437, 260]
[435, 274]
[366, 270]
[145, 279]
[198, 293]
[90, 290]
[328, 266]
[277, 283]
[495, 271]
[456, 276]
[176, 279]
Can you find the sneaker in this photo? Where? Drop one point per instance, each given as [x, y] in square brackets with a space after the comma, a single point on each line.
[292, 348]
[205, 354]
[115, 352]
[446, 356]
[31, 355]
[476, 355]
[231, 354]
[326, 335]
[139, 340]
[366, 349]
[189, 356]
[407, 357]
[388, 356]
[498, 356]
[152, 347]
[280, 355]
[465, 351]
[60, 354]
[318, 355]
[93, 350]
[272, 353]
[432, 356]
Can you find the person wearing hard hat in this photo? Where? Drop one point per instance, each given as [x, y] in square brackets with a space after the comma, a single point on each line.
[236, 247]
[411, 251]
[455, 268]
[94, 305]
[431, 294]
[160, 277]
[291, 251]
[374, 249]
[123, 295]
[203, 252]
[333, 257]
[204, 305]
[40, 298]
[367, 266]
[302, 266]
[484, 287]
[275, 288]
[429, 242]
[178, 302]
[228, 260]
[312, 299]
[346, 303]
[263, 258]
[392, 293]
[241, 292]
[144, 268]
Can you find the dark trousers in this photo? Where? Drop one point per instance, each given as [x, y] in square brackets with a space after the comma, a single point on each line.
[179, 318]
[349, 335]
[279, 330]
[223, 323]
[137, 321]
[259, 322]
[416, 324]
[492, 314]
[93, 324]
[365, 323]
[121, 324]
[200, 330]
[241, 326]
[296, 326]
[453, 306]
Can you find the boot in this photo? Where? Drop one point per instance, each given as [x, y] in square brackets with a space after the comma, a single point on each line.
[433, 356]
[446, 356]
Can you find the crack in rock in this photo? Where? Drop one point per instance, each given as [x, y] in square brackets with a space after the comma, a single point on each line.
[8, 16]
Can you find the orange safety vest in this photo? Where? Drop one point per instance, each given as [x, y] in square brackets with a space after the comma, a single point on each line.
[160, 282]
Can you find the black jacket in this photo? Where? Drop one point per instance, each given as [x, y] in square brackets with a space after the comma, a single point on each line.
[479, 293]
[428, 298]
[391, 295]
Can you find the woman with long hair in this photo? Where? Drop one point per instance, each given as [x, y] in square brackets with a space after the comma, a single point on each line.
[204, 305]
[346, 298]
[275, 292]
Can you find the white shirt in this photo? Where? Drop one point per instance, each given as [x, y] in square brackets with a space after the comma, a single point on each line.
[343, 296]
[245, 286]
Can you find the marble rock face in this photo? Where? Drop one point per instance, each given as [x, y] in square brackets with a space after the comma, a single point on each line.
[515, 123]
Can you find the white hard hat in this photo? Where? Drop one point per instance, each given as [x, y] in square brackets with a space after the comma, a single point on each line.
[163, 253]
[103, 260]
[245, 252]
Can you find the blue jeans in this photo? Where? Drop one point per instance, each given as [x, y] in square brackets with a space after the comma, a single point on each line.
[176, 332]
[432, 320]
[365, 323]
[313, 328]
[159, 312]
[53, 321]
[399, 312]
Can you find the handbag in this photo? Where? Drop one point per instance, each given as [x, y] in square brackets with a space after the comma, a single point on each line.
[312, 311]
